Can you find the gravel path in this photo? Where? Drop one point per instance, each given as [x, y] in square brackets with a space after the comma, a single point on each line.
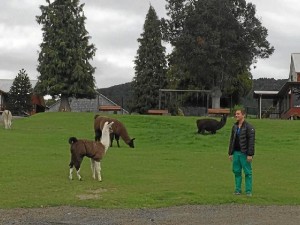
[232, 214]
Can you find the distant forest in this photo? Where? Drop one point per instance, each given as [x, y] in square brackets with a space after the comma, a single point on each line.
[122, 94]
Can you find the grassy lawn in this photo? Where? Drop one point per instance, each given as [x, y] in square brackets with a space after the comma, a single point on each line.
[171, 164]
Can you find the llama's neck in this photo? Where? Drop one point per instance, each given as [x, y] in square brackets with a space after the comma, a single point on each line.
[125, 136]
[105, 138]
[222, 123]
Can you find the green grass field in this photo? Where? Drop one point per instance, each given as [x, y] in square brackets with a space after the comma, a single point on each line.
[171, 164]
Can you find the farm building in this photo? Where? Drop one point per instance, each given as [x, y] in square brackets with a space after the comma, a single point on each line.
[38, 103]
[100, 103]
[286, 101]
[77, 105]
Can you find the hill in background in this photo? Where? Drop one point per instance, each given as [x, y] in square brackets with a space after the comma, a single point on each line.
[122, 94]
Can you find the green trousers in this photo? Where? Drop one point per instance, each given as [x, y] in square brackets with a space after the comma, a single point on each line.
[240, 163]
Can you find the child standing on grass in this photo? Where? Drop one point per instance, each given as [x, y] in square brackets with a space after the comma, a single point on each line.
[241, 151]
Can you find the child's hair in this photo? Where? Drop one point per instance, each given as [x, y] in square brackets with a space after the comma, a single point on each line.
[243, 111]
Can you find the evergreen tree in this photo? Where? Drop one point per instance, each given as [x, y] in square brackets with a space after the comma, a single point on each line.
[150, 65]
[64, 65]
[216, 44]
[19, 97]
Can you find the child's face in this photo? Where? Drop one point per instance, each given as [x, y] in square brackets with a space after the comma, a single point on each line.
[239, 116]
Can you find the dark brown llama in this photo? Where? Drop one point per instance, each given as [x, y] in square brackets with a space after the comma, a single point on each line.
[118, 130]
[210, 125]
[91, 149]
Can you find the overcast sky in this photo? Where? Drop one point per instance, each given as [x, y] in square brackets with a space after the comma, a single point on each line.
[115, 26]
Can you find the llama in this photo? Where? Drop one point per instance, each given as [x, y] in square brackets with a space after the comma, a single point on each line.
[92, 149]
[119, 130]
[210, 125]
[7, 117]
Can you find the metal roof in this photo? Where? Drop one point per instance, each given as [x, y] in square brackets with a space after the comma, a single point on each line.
[5, 84]
[276, 94]
[265, 94]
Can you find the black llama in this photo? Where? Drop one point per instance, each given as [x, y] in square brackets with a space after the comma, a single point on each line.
[210, 125]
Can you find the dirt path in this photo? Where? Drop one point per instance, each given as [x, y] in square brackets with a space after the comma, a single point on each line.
[187, 215]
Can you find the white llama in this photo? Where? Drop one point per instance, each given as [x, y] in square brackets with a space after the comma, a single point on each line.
[7, 117]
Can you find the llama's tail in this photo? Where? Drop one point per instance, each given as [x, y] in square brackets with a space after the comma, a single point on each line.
[72, 140]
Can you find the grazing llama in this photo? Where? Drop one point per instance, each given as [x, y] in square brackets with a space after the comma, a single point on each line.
[92, 149]
[7, 117]
[118, 130]
[210, 125]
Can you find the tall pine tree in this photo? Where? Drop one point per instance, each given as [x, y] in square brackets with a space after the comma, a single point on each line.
[150, 65]
[64, 65]
[19, 98]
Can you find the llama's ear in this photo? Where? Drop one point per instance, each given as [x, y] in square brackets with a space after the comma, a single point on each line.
[111, 123]
[133, 139]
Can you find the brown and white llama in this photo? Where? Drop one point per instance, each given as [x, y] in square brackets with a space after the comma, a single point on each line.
[210, 125]
[92, 149]
[118, 130]
[7, 117]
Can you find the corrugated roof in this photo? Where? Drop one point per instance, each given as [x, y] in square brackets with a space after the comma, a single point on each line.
[5, 84]
[296, 60]
[265, 94]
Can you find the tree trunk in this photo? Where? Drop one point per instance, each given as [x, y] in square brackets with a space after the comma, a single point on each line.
[64, 104]
[216, 96]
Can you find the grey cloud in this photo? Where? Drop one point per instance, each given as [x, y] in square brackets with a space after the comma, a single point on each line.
[115, 26]
[128, 6]
[108, 74]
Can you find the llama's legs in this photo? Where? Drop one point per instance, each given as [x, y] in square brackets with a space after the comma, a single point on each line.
[7, 123]
[111, 135]
[78, 175]
[93, 169]
[77, 167]
[117, 139]
[71, 172]
[98, 169]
